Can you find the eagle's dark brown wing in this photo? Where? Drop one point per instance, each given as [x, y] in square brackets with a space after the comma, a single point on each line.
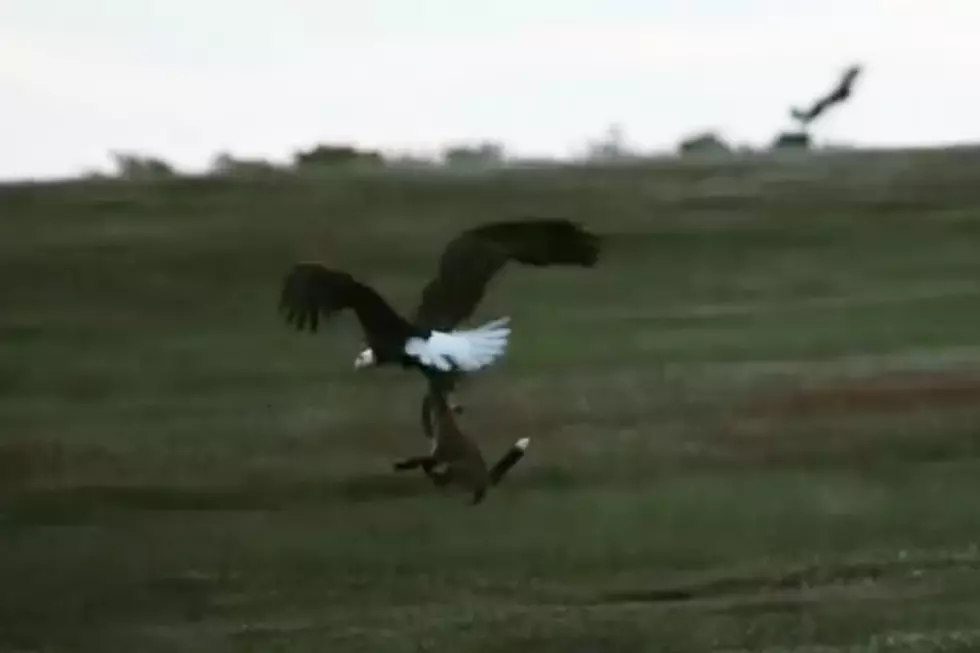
[311, 292]
[470, 261]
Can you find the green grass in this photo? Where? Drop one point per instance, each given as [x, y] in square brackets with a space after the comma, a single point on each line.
[754, 426]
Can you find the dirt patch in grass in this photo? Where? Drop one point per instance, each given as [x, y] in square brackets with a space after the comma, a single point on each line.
[892, 392]
[897, 416]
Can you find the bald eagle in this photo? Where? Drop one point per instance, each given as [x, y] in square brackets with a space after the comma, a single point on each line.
[431, 341]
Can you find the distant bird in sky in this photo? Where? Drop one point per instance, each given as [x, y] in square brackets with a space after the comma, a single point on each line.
[839, 94]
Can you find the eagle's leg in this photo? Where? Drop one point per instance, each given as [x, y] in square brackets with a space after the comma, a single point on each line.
[427, 410]
[445, 384]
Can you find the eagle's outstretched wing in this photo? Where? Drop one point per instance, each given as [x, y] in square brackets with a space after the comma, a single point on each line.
[839, 94]
[470, 261]
[311, 292]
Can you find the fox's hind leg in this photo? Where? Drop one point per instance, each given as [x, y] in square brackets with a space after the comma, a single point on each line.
[478, 496]
[439, 477]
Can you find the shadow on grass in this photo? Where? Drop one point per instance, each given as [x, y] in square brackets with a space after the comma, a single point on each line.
[77, 501]
[25, 495]
[792, 586]
[74, 503]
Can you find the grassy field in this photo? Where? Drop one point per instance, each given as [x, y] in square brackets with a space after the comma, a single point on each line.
[754, 427]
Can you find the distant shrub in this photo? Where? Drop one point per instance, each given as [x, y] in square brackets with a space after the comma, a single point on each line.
[336, 155]
[225, 164]
[410, 162]
[135, 166]
[610, 147]
[482, 154]
[704, 143]
[92, 174]
[791, 141]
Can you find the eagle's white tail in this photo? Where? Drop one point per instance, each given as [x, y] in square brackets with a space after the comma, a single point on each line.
[467, 350]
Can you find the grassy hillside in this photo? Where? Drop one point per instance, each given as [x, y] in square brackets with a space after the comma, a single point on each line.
[754, 426]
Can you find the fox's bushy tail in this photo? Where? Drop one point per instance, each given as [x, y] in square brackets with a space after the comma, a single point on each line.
[508, 460]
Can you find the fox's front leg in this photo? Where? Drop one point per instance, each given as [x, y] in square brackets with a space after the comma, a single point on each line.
[440, 478]
[413, 462]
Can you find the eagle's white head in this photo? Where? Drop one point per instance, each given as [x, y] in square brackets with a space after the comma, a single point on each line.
[365, 359]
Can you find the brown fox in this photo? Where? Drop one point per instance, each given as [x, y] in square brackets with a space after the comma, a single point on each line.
[464, 464]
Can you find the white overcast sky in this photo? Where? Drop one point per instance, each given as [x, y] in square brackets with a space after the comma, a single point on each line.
[185, 79]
